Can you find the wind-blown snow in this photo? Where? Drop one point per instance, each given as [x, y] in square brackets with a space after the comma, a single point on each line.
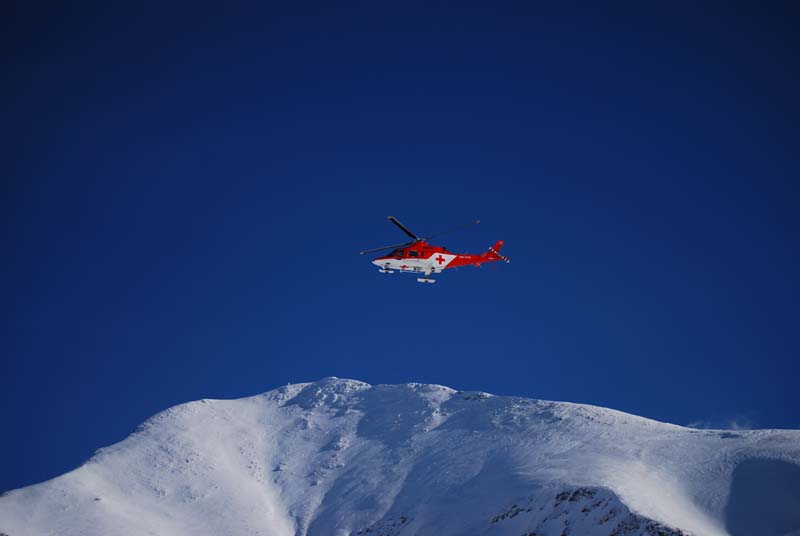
[341, 457]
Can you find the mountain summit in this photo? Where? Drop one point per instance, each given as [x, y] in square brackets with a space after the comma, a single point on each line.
[344, 458]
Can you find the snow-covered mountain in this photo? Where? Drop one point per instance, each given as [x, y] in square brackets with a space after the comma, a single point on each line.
[343, 458]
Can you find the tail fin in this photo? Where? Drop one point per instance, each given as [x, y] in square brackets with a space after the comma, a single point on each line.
[494, 252]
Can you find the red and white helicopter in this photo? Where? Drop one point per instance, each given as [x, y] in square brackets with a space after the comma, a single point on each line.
[417, 256]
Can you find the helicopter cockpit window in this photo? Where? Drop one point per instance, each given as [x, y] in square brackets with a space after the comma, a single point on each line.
[397, 253]
[412, 253]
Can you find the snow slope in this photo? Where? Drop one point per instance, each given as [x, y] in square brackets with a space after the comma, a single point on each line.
[343, 458]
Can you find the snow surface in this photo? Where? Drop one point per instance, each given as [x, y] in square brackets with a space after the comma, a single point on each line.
[343, 458]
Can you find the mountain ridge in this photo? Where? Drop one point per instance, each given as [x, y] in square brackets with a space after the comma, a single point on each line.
[344, 457]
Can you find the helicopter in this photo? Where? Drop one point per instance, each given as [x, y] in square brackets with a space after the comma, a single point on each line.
[420, 257]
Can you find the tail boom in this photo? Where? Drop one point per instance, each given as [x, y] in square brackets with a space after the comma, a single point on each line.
[492, 255]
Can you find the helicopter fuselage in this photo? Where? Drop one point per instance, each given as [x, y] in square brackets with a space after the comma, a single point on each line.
[421, 257]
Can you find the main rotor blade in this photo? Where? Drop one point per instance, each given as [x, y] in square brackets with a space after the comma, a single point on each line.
[404, 228]
[460, 227]
[386, 247]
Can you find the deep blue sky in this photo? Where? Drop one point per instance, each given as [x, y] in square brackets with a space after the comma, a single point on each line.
[186, 191]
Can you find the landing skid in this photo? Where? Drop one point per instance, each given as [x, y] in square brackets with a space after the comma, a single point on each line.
[425, 280]
[383, 271]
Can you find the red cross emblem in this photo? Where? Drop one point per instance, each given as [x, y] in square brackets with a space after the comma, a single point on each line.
[403, 267]
[440, 259]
